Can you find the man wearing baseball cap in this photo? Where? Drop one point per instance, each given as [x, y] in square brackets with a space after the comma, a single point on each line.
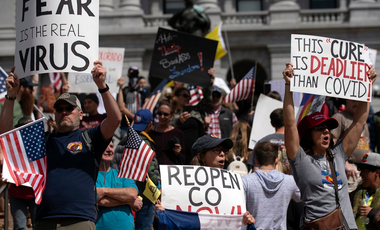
[69, 197]
[24, 104]
[91, 103]
[220, 120]
[367, 195]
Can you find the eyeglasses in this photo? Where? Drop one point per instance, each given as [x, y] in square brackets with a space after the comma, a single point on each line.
[162, 113]
[217, 150]
[321, 127]
[185, 95]
[68, 109]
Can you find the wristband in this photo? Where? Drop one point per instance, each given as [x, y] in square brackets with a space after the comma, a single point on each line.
[104, 90]
[287, 83]
[10, 98]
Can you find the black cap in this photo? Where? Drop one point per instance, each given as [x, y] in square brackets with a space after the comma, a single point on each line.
[27, 82]
[210, 141]
[92, 97]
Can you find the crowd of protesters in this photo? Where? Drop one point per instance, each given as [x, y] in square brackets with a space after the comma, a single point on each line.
[207, 134]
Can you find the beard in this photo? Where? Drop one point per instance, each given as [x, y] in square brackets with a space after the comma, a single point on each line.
[27, 102]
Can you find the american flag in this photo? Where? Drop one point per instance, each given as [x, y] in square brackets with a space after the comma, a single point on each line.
[55, 79]
[136, 157]
[25, 156]
[243, 89]
[3, 89]
[196, 94]
[151, 102]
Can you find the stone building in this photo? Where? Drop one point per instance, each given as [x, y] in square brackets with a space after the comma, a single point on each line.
[257, 30]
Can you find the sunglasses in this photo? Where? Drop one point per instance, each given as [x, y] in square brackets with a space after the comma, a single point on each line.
[321, 127]
[68, 109]
[162, 113]
[185, 95]
[216, 95]
[218, 150]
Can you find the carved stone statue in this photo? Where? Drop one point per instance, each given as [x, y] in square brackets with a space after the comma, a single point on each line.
[192, 20]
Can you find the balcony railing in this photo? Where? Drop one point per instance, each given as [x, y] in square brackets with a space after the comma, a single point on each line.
[252, 18]
[326, 16]
[156, 21]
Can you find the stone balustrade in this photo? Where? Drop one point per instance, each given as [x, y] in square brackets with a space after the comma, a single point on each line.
[326, 16]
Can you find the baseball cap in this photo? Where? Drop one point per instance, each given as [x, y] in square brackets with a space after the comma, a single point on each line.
[216, 89]
[27, 82]
[313, 120]
[142, 119]
[371, 159]
[69, 98]
[92, 97]
[210, 141]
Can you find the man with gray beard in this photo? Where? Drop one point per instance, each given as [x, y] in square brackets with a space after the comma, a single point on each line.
[69, 199]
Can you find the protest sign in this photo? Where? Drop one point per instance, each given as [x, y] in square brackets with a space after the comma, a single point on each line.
[372, 56]
[261, 125]
[330, 67]
[56, 36]
[182, 57]
[201, 189]
[112, 59]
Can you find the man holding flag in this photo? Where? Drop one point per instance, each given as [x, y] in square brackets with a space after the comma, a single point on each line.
[69, 196]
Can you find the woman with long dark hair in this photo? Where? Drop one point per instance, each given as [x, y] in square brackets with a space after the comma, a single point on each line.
[309, 147]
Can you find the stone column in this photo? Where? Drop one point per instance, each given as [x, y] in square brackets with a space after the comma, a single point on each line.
[364, 12]
[209, 5]
[155, 8]
[106, 5]
[229, 6]
[130, 5]
[284, 12]
[279, 55]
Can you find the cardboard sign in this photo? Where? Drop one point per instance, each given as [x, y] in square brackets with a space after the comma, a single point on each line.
[182, 57]
[112, 59]
[56, 36]
[261, 125]
[330, 67]
[202, 189]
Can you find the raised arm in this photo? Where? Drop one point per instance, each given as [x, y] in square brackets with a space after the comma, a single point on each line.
[292, 142]
[109, 124]
[120, 100]
[351, 136]
[6, 117]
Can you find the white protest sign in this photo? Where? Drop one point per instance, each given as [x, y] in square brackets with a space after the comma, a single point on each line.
[261, 126]
[330, 67]
[113, 59]
[56, 36]
[372, 56]
[201, 189]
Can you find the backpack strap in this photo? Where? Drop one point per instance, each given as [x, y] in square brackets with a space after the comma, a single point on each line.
[90, 146]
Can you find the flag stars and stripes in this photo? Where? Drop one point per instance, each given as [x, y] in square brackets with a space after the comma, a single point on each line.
[32, 138]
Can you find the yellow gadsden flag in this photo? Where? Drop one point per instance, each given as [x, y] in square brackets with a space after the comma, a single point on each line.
[151, 191]
[216, 34]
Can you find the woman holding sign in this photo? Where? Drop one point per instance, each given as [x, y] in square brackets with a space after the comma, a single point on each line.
[210, 151]
[311, 151]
